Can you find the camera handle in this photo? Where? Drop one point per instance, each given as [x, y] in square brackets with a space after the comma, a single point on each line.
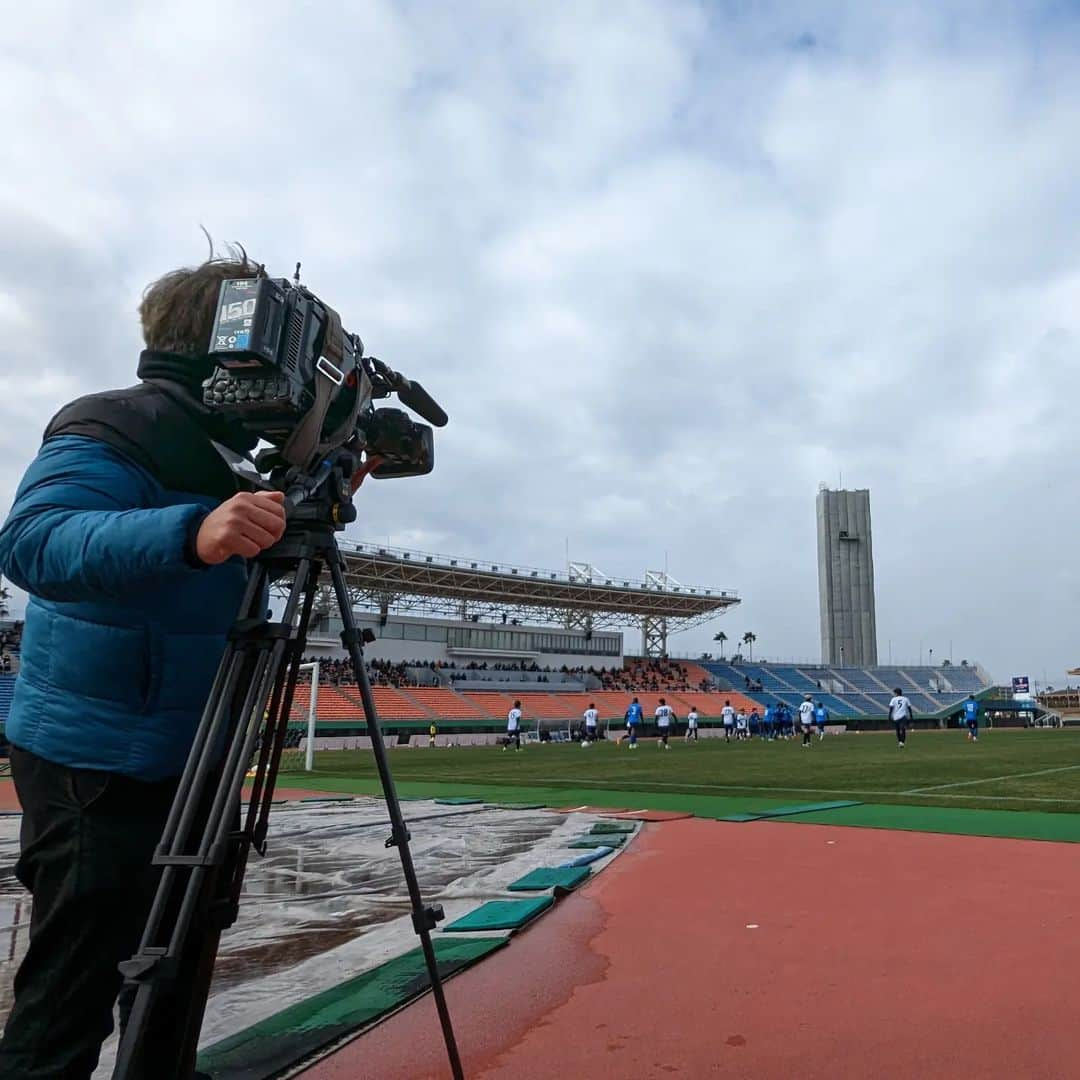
[204, 848]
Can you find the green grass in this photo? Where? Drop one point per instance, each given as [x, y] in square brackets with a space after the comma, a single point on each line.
[1036, 770]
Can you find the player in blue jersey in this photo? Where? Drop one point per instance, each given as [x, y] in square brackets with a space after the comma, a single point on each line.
[821, 718]
[633, 718]
[971, 718]
[767, 722]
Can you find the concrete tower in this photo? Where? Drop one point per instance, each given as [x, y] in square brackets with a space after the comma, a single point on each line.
[846, 578]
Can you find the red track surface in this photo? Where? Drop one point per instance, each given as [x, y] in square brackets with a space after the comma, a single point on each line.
[8, 799]
[886, 954]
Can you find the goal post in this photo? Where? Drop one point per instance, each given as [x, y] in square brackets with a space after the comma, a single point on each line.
[298, 752]
[312, 715]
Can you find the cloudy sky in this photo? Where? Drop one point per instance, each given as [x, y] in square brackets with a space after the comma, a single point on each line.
[667, 265]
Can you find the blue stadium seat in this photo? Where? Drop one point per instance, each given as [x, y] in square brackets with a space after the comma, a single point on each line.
[7, 692]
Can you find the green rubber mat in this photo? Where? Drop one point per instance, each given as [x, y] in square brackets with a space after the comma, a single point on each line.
[501, 915]
[790, 811]
[520, 806]
[1014, 824]
[566, 878]
[607, 840]
[613, 827]
[280, 1041]
[459, 800]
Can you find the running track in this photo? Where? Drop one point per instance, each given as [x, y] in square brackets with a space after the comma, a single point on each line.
[885, 954]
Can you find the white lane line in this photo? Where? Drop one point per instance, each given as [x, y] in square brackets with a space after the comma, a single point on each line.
[990, 779]
[921, 793]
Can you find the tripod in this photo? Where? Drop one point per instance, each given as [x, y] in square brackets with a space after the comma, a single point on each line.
[204, 846]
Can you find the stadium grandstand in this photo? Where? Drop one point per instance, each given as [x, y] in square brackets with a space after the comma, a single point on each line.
[459, 640]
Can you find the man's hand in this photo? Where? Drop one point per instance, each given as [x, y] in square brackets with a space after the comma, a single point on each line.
[243, 525]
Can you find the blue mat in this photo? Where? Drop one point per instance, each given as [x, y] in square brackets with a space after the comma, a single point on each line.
[589, 857]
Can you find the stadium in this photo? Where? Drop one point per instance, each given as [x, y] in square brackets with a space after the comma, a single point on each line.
[320, 977]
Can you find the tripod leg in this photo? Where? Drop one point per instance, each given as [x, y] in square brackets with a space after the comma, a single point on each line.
[202, 864]
[424, 918]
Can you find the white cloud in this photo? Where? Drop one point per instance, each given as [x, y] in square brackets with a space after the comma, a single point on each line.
[666, 270]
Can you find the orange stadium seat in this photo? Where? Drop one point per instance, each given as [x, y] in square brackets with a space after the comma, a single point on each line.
[446, 703]
[491, 703]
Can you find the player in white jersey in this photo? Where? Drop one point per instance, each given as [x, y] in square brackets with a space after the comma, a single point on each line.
[901, 715]
[664, 715]
[591, 716]
[806, 718]
[728, 715]
[513, 727]
[691, 724]
[742, 726]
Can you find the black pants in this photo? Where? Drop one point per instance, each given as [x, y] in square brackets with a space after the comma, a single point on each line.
[901, 731]
[86, 843]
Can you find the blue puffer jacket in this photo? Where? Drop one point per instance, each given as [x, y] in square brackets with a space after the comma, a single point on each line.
[122, 635]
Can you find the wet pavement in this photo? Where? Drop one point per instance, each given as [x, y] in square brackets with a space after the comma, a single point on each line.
[329, 898]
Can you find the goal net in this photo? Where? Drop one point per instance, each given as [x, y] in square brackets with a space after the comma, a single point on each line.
[298, 754]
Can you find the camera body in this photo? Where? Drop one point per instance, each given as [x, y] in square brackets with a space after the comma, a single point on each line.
[283, 362]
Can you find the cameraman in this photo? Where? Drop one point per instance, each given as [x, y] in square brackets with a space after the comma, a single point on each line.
[131, 539]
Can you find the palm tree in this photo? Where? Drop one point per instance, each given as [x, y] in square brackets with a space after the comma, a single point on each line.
[721, 637]
[748, 639]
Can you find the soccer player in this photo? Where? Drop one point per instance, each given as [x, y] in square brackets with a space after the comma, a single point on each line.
[633, 718]
[664, 715]
[740, 725]
[728, 714]
[691, 724]
[901, 715]
[591, 716]
[432, 732]
[821, 718]
[769, 721]
[971, 718]
[806, 719]
[755, 723]
[513, 726]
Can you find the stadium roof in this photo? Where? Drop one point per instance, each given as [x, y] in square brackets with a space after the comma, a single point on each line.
[384, 577]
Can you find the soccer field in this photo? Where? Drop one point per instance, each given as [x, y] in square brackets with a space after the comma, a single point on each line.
[1006, 769]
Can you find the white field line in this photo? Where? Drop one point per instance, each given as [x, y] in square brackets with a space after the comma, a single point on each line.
[737, 788]
[990, 779]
